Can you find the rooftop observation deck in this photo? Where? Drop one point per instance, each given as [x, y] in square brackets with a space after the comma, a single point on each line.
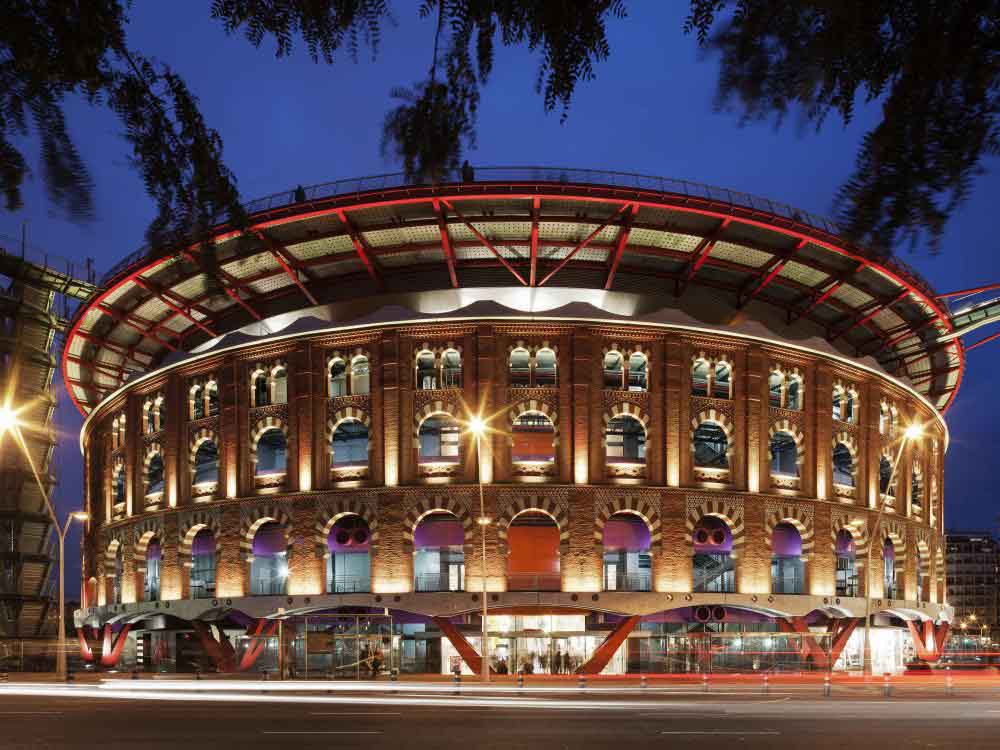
[680, 242]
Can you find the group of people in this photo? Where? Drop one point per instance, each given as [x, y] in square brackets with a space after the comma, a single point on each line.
[560, 662]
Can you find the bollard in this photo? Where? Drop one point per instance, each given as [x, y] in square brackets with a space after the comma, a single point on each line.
[642, 681]
[765, 688]
[827, 686]
[70, 675]
[4, 677]
[393, 676]
[582, 682]
[704, 683]
[457, 680]
[197, 673]
[949, 688]
[135, 674]
[886, 687]
[520, 682]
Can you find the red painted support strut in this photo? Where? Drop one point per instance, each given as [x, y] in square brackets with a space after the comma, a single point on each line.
[86, 652]
[469, 655]
[261, 631]
[583, 243]
[219, 650]
[988, 339]
[536, 203]
[968, 292]
[623, 233]
[446, 246]
[363, 251]
[283, 261]
[937, 634]
[776, 266]
[112, 650]
[603, 653]
[701, 254]
[485, 242]
[798, 626]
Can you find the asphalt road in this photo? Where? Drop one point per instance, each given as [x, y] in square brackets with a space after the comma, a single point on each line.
[410, 720]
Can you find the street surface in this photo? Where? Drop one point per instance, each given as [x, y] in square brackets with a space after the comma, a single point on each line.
[215, 714]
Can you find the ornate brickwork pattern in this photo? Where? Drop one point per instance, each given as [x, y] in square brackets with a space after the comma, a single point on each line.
[455, 504]
[727, 509]
[510, 506]
[841, 520]
[604, 508]
[424, 408]
[800, 516]
[191, 522]
[330, 511]
[252, 517]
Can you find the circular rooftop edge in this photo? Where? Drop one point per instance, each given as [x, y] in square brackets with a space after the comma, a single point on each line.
[522, 226]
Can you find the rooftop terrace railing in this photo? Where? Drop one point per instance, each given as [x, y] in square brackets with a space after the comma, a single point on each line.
[549, 176]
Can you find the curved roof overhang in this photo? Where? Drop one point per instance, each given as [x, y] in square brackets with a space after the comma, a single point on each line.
[671, 239]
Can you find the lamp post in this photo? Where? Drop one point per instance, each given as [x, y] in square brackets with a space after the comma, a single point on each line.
[913, 432]
[477, 427]
[9, 422]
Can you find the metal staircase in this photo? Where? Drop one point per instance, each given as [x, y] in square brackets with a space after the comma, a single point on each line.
[30, 284]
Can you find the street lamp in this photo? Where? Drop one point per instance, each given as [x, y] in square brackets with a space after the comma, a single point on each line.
[912, 432]
[9, 422]
[477, 426]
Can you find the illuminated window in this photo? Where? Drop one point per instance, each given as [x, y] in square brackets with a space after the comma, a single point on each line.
[272, 452]
[625, 438]
[711, 446]
[438, 439]
[784, 455]
[350, 444]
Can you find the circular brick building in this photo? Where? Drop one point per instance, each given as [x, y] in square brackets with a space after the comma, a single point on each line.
[697, 456]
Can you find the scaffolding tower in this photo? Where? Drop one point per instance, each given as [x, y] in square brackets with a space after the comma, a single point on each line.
[31, 318]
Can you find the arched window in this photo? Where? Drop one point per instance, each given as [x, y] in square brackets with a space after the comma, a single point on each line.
[118, 575]
[261, 395]
[438, 439]
[280, 380]
[154, 475]
[638, 377]
[533, 436]
[451, 369]
[712, 566]
[206, 463]
[775, 388]
[838, 405]
[203, 565]
[338, 378]
[359, 375]
[625, 438]
[545, 368]
[699, 378]
[793, 395]
[120, 485]
[349, 446]
[711, 446]
[426, 371]
[722, 386]
[150, 409]
[151, 581]
[520, 367]
[212, 391]
[847, 571]
[348, 562]
[614, 371]
[885, 476]
[627, 562]
[888, 569]
[438, 553]
[197, 402]
[269, 568]
[784, 455]
[272, 453]
[843, 465]
[533, 562]
[850, 404]
[787, 567]
[916, 489]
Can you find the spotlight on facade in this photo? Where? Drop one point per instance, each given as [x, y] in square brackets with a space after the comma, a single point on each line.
[8, 419]
[476, 426]
[913, 432]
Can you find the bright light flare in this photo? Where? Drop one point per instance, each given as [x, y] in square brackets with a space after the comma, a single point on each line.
[80, 515]
[476, 425]
[913, 432]
[8, 419]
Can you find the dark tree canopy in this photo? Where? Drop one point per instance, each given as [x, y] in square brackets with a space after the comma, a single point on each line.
[932, 65]
[54, 49]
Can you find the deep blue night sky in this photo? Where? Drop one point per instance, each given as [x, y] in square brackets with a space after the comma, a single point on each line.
[288, 122]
